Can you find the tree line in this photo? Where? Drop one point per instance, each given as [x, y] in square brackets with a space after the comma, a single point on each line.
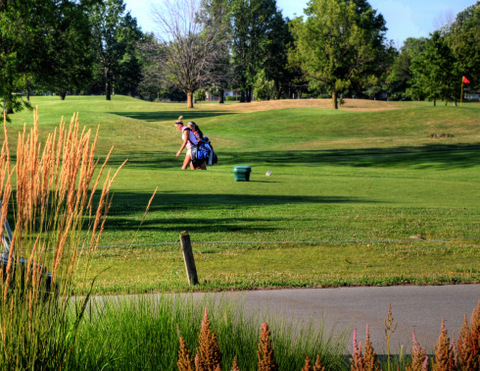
[338, 48]
[66, 47]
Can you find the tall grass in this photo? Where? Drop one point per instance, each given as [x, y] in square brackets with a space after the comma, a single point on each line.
[143, 333]
[55, 184]
[169, 332]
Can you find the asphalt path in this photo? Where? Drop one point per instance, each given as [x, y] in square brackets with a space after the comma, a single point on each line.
[419, 308]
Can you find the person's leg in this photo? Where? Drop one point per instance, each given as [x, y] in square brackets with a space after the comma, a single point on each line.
[188, 160]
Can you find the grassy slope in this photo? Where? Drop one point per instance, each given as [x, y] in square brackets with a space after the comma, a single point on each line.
[338, 176]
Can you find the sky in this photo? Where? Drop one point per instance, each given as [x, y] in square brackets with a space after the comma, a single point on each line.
[404, 18]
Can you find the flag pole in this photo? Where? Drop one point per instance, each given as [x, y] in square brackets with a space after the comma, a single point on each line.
[461, 96]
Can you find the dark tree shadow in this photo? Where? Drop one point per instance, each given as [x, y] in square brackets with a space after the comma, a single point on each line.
[127, 204]
[172, 115]
[133, 202]
[433, 156]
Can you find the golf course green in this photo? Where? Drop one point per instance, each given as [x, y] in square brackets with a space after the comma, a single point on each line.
[375, 193]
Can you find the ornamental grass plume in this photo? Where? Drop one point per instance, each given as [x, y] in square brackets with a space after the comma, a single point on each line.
[369, 354]
[52, 202]
[316, 367]
[185, 361]
[235, 365]
[468, 344]
[366, 361]
[357, 360]
[208, 356]
[444, 352]
[419, 357]
[266, 359]
[308, 364]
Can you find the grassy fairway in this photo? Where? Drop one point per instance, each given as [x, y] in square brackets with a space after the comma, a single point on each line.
[348, 191]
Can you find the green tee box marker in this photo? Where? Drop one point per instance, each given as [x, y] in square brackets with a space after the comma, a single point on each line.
[242, 173]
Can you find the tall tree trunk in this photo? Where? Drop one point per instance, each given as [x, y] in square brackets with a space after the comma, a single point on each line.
[108, 87]
[335, 99]
[242, 97]
[189, 100]
[249, 94]
[278, 90]
[222, 93]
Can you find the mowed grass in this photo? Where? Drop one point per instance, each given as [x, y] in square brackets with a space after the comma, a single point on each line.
[375, 193]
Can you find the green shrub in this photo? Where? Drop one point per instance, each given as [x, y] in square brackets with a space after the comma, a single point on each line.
[199, 95]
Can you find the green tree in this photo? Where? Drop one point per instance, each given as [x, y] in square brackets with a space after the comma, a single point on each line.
[252, 27]
[43, 43]
[434, 71]
[67, 40]
[200, 95]
[129, 73]
[339, 44]
[276, 65]
[215, 15]
[115, 34]
[17, 40]
[399, 79]
[153, 81]
[464, 39]
[263, 89]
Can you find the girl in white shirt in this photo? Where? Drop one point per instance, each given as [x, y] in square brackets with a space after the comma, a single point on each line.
[189, 140]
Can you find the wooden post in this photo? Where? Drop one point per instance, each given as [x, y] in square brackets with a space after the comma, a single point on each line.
[188, 258]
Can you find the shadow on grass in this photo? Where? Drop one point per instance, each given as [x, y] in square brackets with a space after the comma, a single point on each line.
[442, 157]
[171, 115]
[433, 156]
[128, 202]
[210, 225]
[208, 211]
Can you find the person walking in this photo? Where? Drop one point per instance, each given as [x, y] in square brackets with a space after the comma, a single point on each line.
[212, 158]
[196, 130]
[189, 140]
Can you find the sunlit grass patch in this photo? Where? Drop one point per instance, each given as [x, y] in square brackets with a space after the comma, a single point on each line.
[364, 173]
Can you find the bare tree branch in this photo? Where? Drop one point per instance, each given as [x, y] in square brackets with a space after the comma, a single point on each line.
[192, 47]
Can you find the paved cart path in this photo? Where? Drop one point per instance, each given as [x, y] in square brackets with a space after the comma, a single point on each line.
[419, 308]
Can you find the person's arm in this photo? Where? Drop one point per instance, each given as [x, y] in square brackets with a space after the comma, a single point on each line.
[183, 144]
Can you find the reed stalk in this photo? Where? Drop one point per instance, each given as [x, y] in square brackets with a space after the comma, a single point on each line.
[389, 330]
[48, 197]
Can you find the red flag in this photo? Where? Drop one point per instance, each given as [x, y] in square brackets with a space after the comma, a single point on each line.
[465, 80]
